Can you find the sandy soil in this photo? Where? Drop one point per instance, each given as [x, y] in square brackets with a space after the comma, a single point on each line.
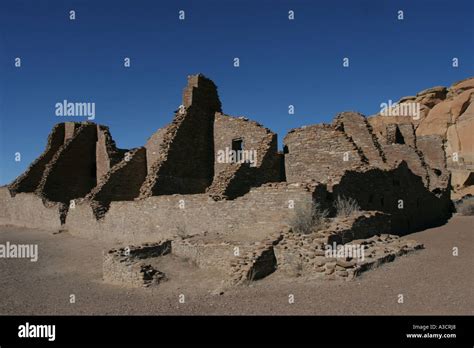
[432, 281]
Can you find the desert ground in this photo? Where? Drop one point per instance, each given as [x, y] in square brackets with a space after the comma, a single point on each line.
[432, 281]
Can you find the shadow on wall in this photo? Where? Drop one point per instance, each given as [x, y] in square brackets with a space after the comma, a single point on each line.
[400, 193]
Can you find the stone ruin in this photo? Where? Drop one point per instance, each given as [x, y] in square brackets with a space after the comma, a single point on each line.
[176, 196]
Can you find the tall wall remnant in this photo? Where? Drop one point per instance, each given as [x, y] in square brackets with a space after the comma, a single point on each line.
[321, 153]
[121, 183]
[185, 159]
[256, 159]
[75, 156]
[71, 173]
[107, 153]
[30, 179]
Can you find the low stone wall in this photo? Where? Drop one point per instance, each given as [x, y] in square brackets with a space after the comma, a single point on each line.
[364, 225]
[124, 266]
[28, 210]
[263, 210]
[241, 261]
[307, 256]
[206, 255]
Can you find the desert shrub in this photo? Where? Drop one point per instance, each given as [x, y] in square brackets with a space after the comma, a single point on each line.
[346, 206]
[308, 218]
[465, 206]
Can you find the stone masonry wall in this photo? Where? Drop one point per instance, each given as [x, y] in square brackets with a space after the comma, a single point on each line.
[235, 179]
[185, 161]
[28, 210]
[357, 128]
[432, 150]
[71, 173]
[70, 129]
[318, 152]
[30, 179]
[152, 146]
[126, 266]
[382, 190]
[107, 154]
[122, 182]
[263, 210]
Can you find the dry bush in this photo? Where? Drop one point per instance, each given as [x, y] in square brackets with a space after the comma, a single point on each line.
[309, 218]
[346, 206]
[465, 206]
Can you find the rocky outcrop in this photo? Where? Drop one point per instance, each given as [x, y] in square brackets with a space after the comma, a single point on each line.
[447, 121]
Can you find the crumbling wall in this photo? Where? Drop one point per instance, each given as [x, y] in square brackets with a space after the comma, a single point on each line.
[107, 153]
[235, 179]
[254, 136]
[71, 173]
[319, 153]
[400, 152]
[70, 129]
[152, 146]
[399, 192]
[308, 256]
[400, 134]
[30, 179]
[122, 182]
[381, 125]
[355, 126]
[185, 161]
[125, 266]
[432, 150]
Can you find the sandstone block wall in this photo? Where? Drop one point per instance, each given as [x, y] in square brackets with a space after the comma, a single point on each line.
[185, 161]
[382, 190]
[152, 147]
[432, 151]
[107, 153]
[76, 154]
[70, 129]
[30, 179]
[235, 179]
[305, 256]
[251, 217]
[355, 126]
[123, 181]
[28, 210]
[71, 173]
[124, 266]
[254, 137]
[359, 226]
[318, 152]
[395, 153]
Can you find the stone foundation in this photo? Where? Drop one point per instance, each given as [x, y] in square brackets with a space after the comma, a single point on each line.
[125, 266]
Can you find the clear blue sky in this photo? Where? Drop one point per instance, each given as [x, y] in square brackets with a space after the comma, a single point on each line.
[282, 62]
